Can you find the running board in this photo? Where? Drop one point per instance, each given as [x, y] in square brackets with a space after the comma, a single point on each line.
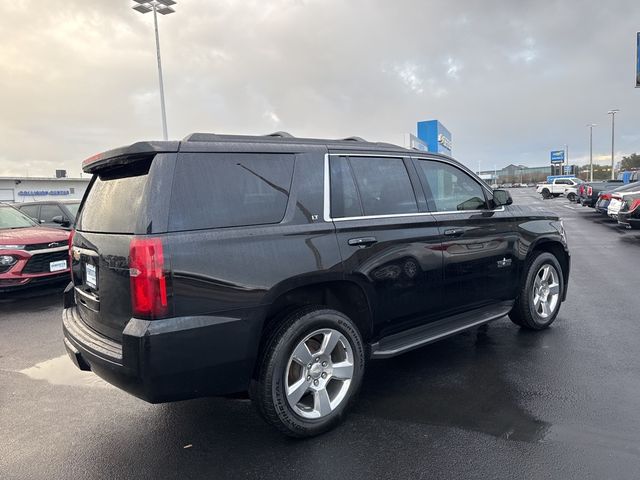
[402, 342]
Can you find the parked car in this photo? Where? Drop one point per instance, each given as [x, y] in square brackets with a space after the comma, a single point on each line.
[604, 197]
[629, 214]
[281, 265]
[556, 186]
[588, 196]
[30, 254]
[59, 214]
[571, 193]
[616, 202]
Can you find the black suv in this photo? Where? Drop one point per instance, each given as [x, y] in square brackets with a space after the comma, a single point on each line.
[281, 265]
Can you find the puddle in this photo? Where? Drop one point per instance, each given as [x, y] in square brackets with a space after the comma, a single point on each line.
[60, 371]
[460, 382]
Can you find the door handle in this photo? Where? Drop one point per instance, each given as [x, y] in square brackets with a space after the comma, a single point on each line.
[362, 241]
[454, 232]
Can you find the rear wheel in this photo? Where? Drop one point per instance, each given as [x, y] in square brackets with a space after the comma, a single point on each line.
[311, 368]
[546, 193]
[540, 295]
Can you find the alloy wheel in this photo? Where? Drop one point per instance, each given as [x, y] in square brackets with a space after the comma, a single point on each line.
[319, 373]
[546, 291]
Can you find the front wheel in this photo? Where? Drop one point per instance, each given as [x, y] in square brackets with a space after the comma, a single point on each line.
[311, 367]
[571, 197]
[540, 295]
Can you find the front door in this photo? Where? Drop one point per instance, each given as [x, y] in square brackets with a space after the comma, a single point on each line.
[479, 243]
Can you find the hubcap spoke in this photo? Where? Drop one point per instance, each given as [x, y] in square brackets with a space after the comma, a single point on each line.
[321, 402]
[554, 289]
[302, 354]
[296, 391]
[545, 272]
[343, 370]
[329, 342]
[545, 308]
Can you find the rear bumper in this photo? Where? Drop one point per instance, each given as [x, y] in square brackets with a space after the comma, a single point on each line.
[166, 360]
[629, 219]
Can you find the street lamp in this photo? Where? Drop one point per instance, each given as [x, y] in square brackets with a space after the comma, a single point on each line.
[613, 129]
[163, 7]
[591, 125]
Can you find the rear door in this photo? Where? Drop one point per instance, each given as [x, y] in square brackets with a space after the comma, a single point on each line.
[128, 199]
[478, 243]
[387, 240]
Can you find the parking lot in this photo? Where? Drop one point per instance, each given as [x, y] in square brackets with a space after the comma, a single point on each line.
[496, 402]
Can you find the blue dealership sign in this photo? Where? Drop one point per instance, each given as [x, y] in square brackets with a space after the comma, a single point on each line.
[435, 135]
[557, 156]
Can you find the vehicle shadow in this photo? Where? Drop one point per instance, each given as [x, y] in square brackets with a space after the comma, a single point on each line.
[32, 299]
[460, 383]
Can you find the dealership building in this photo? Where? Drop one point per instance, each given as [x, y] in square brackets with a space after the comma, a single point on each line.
[30, 189]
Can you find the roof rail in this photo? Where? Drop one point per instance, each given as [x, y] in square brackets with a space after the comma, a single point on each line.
[353, 139]
[199, 137]
[279, 134]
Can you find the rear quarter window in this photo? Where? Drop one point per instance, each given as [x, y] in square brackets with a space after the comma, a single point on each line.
[215, 190]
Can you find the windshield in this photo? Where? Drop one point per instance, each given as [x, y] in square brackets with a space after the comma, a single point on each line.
[12, 218]
[73, 208]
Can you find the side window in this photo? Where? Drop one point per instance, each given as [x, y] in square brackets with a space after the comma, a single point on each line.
[47, 212]
[451, 188]
[214, 190]
[384, 185]
[31, 210]
[344, 196]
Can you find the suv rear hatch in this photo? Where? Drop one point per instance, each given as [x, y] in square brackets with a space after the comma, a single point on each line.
[125, 207]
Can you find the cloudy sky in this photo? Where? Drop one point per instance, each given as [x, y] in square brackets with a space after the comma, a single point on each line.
[510, 79]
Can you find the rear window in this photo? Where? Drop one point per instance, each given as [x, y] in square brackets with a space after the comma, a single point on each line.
[115, 200]
[214, 190]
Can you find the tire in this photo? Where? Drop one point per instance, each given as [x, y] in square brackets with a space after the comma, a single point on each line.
[556, 195]
[530, 313]
[546, 194]
[301, 336]
[571, 197]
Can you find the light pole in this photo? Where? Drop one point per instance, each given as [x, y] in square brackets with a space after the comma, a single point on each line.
[613, 131]
[163, 7]
[591, 125]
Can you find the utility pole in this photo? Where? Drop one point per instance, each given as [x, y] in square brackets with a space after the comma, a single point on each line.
[613, 130]
[591, 125]
[162, 7]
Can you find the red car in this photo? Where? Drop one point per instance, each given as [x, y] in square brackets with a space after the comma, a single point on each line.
[30, 254]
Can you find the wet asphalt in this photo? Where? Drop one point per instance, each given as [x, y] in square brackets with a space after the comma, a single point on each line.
[495, 402]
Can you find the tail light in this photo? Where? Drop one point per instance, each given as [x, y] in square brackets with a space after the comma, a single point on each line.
[147, 277]
[605, 196]
[589, 191]
[634, 204]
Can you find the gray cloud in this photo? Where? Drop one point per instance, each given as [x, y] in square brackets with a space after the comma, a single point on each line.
[511, 80]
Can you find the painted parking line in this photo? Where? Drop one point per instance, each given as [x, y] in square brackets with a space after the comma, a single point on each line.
[569, 206]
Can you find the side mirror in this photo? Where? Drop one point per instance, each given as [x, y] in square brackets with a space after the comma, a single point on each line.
[501, 198]
[60, 220]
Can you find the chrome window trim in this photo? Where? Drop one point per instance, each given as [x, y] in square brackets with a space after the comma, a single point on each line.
[47, 250]
[327, 191]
